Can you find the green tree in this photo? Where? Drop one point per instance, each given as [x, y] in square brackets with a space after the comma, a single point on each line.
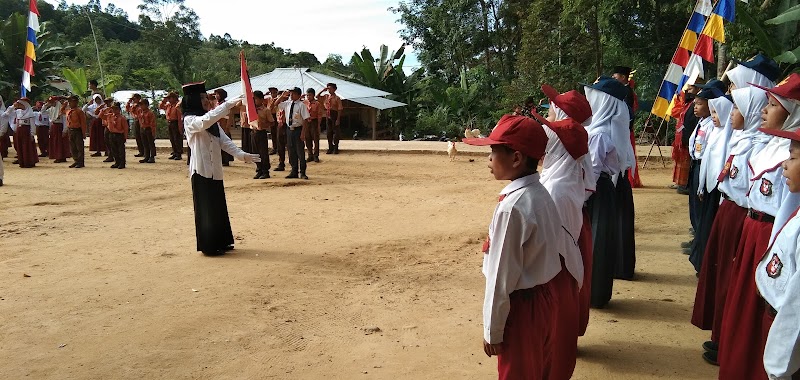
[173, 32]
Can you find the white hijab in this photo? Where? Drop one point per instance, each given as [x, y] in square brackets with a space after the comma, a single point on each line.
[92, 107]
[742, 76]
[564, 178]
[750, 101]
[611, 115]
[716, 151]
[777, 150]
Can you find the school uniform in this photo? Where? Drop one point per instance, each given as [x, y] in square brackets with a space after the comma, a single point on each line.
[42, 125]
[315, 109]
[726, 231]
[76, 123]
[58, 149]
[212, 225]
[24, 136]
[527, 284]
[225, 124]
[778, 283]
[174, 126]
[333, 107]
[683, 112]
[260, 144]
[713, 162]
[137, 130]
[609, 113]
[4, 127]
[96, 139]
[296, 115]
[147, 122]
[118, 129]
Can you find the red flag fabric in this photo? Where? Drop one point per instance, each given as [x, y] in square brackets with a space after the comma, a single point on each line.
[705, 48]
[249, 103]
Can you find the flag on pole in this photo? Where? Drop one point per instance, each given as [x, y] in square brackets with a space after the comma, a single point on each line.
[30, 48]
[247, 89]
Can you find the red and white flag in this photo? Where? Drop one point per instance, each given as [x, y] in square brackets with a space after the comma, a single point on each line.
[247, 90]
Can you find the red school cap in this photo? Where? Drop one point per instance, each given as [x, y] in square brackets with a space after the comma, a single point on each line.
[573, 103]
[788, 88]
[571, 134]
[520, 133]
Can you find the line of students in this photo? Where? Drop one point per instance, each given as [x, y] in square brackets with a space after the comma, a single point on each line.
[743, 207]
[555, 244]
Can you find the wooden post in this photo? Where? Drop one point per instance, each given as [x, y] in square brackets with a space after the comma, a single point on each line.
[373, 116]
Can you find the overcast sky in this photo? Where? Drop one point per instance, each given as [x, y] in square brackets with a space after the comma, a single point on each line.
[321, 27]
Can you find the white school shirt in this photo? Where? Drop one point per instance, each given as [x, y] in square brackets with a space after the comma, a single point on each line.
[300, 112]
[698, 138]
[736, 183]
[603, 154]
[40, 119]
[206, 148]
[54, 114]
[525, 238]
[778, 283]
[768, 188]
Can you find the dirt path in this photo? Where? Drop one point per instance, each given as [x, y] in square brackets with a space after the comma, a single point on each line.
[371, 270]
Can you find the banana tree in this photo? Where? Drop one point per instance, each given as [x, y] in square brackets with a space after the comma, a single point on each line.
[779, 39]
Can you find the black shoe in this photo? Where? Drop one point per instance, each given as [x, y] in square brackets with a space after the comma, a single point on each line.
[687, 251]
[138, 155]
[60, 161]
[291, 176]
[114, 166]
[330, 151]
[121, 167]
[1, 182]
[217, 252]
[73, 165]
[280, 168]
[682, 190]
[336, 150]
[78, 166]
[151, 160]
[98, 154]
[43, 155]
[143, 161]
[686, 244]
[178, 158]
[108, 160]
[226, 164]
[316, 158]
[264, 176]
[711, 346]
[310, 158]
[711, 358]
[15, 162]
[257, 176]
[303, 176]
[228, 248]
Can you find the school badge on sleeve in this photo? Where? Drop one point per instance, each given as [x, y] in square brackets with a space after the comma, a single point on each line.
[734, 172]
[766, 187]
[774, 266]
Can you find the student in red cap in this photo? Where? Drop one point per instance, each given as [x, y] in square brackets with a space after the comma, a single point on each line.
[726, 231]
[743, 334]
[24, 135]
[567, 174]
[777, 278]
[524, 264]
[58, 148]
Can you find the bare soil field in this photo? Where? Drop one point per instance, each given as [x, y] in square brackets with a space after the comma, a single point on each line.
[370, 270]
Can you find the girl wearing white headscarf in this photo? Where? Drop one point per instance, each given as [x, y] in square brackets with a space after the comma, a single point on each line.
[22, 112]
[714, 158]
[734, 183]
[3, 130]
[741, 338]
[97, 141]
[602, 205]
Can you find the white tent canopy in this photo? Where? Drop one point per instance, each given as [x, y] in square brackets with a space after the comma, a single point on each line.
[285, 78]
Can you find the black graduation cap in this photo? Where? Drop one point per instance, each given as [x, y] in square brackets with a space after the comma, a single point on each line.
[763, 65]
[715, 84]
[610, 86]
[624, 70]
[194, 88]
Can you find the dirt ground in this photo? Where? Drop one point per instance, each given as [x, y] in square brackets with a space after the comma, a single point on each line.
[370, 270]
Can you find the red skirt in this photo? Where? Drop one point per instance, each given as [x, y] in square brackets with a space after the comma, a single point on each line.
[532, 327]
[43, 139]
[682, 160]
[97, 142]
[741, 339]
[720, 253]
[26, 153]
[585, 294]
[59, 144]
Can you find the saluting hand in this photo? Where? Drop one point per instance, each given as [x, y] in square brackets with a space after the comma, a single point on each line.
[251, 158]
[492, 349]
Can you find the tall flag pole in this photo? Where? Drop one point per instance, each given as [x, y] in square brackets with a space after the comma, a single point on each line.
[30, 49]
[696, 45]
[247, 89]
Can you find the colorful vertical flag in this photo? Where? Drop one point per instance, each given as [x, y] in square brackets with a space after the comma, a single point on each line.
[30, 48]
[247, 89]
[697, 45]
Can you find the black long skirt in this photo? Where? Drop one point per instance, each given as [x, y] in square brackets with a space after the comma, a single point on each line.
[694, 200]
[602, 209]
[708, 211]
[626, 255]
[211, 221]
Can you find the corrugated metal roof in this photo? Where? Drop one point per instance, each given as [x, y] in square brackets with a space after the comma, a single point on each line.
[283, 78]
[378, 102]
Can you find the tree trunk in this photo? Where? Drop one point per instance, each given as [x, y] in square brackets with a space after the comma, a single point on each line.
[487, 39]
[598, 60]
[722, 59]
